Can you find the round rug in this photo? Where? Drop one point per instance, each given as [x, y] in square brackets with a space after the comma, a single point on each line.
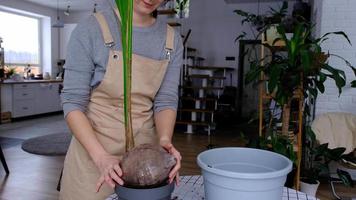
[49, 145]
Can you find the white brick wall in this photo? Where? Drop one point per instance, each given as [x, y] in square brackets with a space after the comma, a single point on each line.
[337, 15]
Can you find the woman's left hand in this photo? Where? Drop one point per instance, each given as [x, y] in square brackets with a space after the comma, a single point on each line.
[174, 174]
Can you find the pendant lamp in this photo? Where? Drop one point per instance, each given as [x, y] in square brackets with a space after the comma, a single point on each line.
[59, 23]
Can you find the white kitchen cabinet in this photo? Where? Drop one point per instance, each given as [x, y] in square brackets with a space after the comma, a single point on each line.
[26, 99]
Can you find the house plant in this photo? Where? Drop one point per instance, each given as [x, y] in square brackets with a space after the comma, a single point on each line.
[299, 68]
[318, 158]
[125, 192]
[261, 23]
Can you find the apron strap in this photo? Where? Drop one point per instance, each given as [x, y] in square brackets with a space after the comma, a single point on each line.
[169, 42]
[170, 38]
[108, 39]
[117, 13]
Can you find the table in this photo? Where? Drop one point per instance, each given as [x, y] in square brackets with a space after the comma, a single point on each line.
[192, 188]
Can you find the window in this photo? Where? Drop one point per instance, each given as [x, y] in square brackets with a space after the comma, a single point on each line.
[20, 36]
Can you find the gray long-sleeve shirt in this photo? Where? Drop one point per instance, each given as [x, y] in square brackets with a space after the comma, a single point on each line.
[87, 58]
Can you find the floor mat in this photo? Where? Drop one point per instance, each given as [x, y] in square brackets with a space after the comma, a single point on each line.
[6, 142]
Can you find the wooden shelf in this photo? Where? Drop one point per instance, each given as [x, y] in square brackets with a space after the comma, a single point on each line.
[166, 12]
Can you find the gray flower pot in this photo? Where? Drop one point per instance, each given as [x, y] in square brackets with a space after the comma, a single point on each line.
[243, 174]
[158, 193]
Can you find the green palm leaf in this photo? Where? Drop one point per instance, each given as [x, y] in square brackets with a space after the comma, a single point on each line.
[126, 9]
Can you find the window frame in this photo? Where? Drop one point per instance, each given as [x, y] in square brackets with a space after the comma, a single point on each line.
[39, 20]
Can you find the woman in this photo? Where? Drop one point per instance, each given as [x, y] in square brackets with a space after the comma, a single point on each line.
[92, 97]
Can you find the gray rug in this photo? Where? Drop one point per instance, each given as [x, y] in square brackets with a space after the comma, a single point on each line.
[49, 145]
[6, 142]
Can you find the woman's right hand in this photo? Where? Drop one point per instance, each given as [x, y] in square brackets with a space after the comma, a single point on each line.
[110, 171]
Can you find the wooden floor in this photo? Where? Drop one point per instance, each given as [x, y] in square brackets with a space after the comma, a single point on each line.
[35, 177]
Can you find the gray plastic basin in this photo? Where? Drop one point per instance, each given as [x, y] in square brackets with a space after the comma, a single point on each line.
[243, 174]
[159, 193]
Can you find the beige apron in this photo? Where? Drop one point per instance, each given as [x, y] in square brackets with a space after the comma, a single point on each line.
[105, 112]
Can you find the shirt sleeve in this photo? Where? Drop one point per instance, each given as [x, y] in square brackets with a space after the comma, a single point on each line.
[167, 96]
[79, 69]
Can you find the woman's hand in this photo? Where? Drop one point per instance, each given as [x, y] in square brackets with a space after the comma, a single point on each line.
[110, 171]
[174, 174]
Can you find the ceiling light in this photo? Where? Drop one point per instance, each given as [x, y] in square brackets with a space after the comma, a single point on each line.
[59, 23]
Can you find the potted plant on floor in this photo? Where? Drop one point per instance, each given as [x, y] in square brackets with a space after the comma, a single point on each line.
[318, 158]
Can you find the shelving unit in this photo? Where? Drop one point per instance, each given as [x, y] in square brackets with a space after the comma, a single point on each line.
[296, 116]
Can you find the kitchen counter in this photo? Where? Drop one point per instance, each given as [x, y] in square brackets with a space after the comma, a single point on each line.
[30, 97]
[30, 81]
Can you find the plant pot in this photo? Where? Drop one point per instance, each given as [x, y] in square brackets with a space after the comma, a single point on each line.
[244, 173]
[308, 188]
[158, 193]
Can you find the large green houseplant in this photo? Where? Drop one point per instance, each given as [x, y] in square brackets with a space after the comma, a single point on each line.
[300, 67]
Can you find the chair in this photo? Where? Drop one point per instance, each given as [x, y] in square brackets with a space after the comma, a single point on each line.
[3, 161]
[338, 130]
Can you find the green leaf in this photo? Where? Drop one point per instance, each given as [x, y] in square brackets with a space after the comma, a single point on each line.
[337, 75]
[313, 92]
[338, 33]
[306, 59]
[274, 77]
[345, 178]
[353, 69]
[335, 154]
[310, 134]
[284, 6]
[321, 149]
[320, 86]
[353, 84]
[241, 13]
[126, 14]
[253, 74]
[241, 36]
[322, 78]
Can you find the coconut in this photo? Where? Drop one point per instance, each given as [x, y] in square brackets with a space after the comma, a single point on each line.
[146, 166]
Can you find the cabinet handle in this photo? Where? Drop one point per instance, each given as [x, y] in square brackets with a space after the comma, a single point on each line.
[25, 108]
[24, 94]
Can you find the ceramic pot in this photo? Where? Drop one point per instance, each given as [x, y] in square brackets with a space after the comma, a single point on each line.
[309, 189]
